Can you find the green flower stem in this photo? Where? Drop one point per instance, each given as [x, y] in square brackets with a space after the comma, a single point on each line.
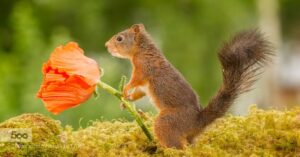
[128, 105]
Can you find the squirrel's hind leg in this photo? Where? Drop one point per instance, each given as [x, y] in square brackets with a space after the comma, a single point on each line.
[168, 133]
[191, 138]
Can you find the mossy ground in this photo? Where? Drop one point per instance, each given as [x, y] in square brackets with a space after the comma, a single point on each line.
[261, 133]
[47, 137]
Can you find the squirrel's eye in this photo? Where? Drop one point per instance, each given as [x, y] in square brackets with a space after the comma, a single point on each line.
[119, 38]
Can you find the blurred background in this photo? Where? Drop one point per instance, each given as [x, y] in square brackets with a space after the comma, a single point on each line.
[189, 32]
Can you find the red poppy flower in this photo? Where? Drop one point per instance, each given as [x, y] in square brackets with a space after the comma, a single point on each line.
[69, 78]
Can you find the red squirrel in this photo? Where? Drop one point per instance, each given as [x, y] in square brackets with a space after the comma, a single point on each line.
[181, 118]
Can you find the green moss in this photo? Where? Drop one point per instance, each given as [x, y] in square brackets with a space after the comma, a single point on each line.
[47, 135]
[261, 133]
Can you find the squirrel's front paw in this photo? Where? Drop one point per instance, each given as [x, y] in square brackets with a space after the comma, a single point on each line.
[129, 97]
[126, 93]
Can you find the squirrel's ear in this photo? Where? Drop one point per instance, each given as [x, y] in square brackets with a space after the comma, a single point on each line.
[138, 28]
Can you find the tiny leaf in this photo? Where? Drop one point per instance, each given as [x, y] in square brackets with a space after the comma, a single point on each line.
[96, 92]
[122, 82]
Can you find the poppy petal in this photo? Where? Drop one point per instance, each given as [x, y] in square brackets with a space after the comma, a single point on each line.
[71, 59]
[69, 78]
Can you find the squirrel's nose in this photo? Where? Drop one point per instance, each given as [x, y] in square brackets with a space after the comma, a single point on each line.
[106, 44]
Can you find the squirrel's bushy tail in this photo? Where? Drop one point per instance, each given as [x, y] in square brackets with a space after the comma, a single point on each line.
[242, 59]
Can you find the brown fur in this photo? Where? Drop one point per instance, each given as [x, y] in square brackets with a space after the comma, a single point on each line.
[180, 117]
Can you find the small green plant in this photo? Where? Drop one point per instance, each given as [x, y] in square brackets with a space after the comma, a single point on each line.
[128, 105]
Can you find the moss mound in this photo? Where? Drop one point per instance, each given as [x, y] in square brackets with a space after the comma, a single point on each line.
[47, 135]
[261, 133]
